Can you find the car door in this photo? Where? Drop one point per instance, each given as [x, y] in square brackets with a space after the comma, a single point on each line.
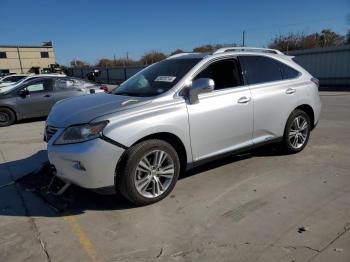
[68, 87]
[39, 99]
[275, 95]
[222, 121]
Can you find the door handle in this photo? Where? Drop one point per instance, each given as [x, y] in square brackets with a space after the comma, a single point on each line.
[47, 95]
[290, 91]
[244, 100]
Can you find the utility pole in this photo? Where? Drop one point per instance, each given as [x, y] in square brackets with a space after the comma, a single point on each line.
[19, 58]
[127, 58]
[243, 38]
[115, 62]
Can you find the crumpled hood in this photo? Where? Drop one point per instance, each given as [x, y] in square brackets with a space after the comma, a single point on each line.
[83, 109]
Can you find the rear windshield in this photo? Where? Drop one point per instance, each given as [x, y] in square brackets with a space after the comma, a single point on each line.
[157, 78]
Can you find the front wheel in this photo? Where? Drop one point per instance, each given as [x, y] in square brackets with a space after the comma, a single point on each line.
[148, 172]
[297, 132]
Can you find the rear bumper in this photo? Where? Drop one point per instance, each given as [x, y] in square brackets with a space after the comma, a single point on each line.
[89, 164]
[317, 112]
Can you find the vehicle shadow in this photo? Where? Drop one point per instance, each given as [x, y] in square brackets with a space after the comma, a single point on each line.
[29, 120]
[78, 200]
[268, 150]
[334, 88]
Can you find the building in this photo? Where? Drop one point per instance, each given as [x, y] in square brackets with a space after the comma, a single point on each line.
[26, 59]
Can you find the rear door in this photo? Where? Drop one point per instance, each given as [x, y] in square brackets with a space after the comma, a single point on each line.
[274, 93]
[68, 87]
[39, 100]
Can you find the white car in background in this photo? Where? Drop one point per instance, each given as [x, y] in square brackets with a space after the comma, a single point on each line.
[11, 79]
[28, 78]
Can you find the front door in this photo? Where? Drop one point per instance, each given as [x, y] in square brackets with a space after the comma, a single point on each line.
[222, 121]
[39, 100]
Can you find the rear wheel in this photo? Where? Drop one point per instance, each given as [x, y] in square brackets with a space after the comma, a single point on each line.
[7, 117]
[148, 172]
[297, 132]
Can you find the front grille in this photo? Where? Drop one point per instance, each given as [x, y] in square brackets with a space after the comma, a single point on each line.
[50, 132]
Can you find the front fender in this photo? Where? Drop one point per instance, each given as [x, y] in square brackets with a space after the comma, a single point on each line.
[130, 127]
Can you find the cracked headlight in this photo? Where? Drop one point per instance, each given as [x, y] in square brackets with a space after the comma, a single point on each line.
[81, 133]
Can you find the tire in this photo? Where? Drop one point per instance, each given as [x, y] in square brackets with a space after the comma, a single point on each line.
[296, 138]
[7, 117]
[142, 181]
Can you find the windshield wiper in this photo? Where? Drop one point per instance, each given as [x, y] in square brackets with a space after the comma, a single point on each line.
[128, 94]
[123, 94]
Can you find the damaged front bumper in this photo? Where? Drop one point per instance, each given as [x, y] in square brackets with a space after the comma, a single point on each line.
[90, 164]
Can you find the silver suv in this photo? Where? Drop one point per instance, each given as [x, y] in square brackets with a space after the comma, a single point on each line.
[179, 113]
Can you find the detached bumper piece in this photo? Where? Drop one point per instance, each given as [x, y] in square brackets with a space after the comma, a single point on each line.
[48, 187]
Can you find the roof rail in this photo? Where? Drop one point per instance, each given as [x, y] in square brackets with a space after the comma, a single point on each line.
[179, 54]
[244, 48]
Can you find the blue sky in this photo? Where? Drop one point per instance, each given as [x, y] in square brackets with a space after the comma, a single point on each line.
[90, 29]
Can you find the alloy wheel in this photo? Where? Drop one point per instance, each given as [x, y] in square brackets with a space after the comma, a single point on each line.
[154, 173]
[298, 132]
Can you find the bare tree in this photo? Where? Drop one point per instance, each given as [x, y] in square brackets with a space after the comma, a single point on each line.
[296, 41]
[330, 38]
[152, 57]
[78, 63]
[106, 62]
[177, 51]
[209, 48]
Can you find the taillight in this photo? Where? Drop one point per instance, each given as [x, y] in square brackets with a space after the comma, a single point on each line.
[104, 88]
[316, 81]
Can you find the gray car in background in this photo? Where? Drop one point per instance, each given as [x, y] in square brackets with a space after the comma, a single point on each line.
[35, 96]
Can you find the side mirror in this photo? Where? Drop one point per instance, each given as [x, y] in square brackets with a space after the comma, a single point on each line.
[199, 86]
[23, 92]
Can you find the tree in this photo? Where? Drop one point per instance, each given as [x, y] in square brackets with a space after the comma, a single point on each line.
[177, 51]
[296, 41]
[152, 57]
[347, 41]
[330, 38]
[106, 62]
[209, 48]
[204, 49]
[78, 63]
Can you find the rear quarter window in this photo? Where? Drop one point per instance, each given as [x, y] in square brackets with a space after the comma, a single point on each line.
[287, 71]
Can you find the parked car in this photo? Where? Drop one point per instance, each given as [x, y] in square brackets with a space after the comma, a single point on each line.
[34, 97]
[177, 114]
[11, 79]
[30, 77]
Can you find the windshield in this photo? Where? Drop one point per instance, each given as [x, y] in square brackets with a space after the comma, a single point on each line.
[8, 88]
[157, 78]
[5, 89]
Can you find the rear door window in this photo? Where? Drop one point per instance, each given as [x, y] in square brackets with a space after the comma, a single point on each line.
[260, 69]
[68, 84]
